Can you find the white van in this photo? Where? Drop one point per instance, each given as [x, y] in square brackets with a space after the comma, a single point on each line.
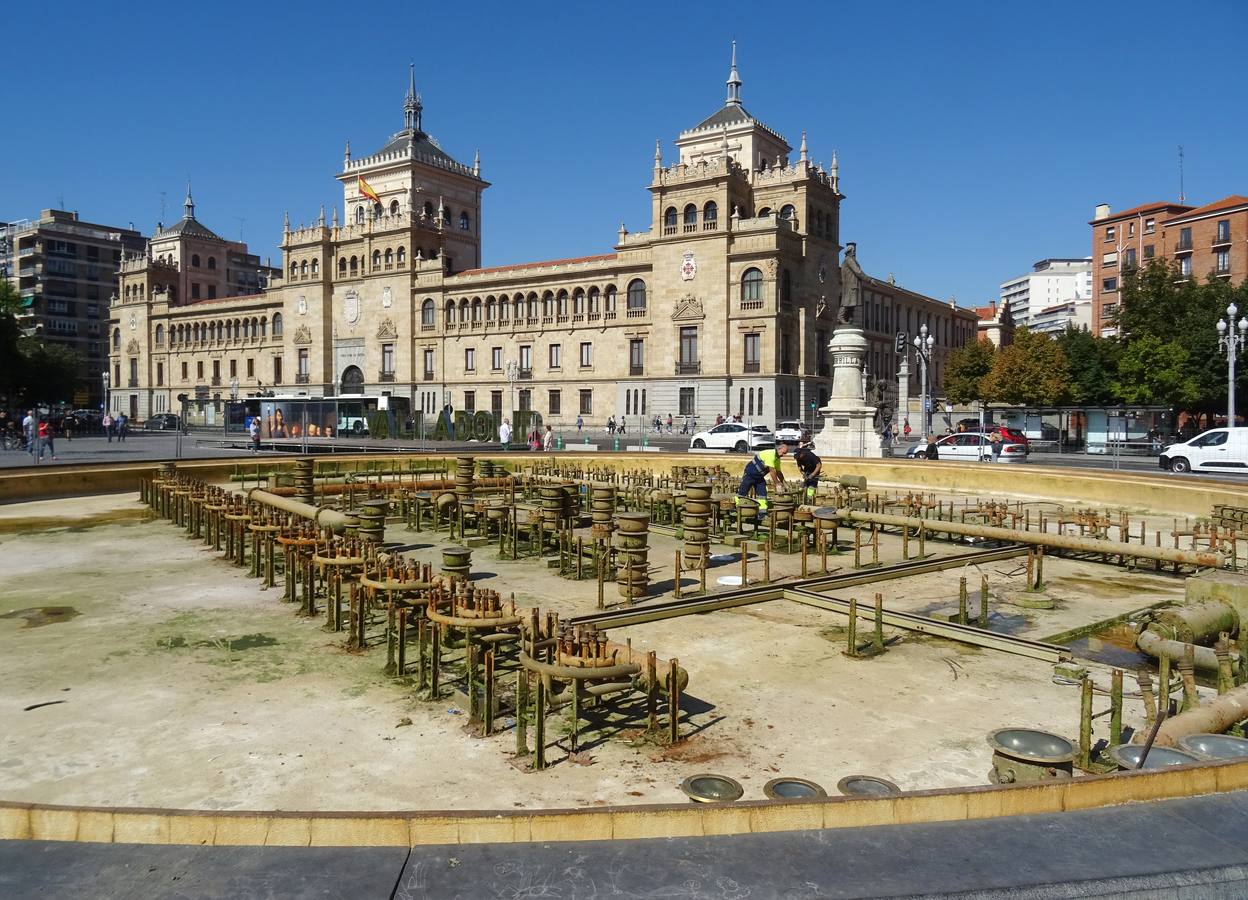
[1215, 450]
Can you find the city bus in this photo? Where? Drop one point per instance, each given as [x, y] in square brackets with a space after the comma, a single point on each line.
[294, 416]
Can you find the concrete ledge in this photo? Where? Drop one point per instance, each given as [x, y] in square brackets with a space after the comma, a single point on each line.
[46, 822]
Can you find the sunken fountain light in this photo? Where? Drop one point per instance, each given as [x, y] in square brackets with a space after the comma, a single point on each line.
[1214, 746]
[1127, 757]
[710, 788]
[785, 788]
[1027, 754]
[866, 786]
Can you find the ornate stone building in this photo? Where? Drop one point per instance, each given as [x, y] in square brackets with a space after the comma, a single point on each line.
[725, 304]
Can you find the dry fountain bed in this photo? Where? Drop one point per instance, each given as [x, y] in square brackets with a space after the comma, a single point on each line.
[174, 680]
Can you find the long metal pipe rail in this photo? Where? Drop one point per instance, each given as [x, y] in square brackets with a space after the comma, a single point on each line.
[654, 612]
[332, 519]
[1202, 558]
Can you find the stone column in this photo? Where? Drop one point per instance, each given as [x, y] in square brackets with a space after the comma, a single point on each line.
[848, 426]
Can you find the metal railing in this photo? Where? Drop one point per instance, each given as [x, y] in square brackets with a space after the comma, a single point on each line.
[685, 367]
[636, 370]
[301, 378]
[385, 376]
[1222, 237]
[751, 366]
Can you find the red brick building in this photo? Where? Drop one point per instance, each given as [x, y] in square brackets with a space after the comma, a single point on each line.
[1210, 240]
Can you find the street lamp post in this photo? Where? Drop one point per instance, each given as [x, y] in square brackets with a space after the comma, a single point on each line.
[512, 371]
[923, 344]
[1231, 343]
[104, 406]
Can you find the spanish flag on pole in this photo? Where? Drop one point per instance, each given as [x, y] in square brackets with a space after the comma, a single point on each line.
[366, 189]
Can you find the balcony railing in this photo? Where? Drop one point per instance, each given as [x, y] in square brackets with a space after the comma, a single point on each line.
[685, 367]
[525, 374]
[637, 313]
[133, 382]
[751, 304]
[428, 376]
[1223, 237]
[427, 326]
[301, 378]
[385, 376]
[1183, 246]
[1222, 271]
[751, 366]
[636, 370]
[216, 381]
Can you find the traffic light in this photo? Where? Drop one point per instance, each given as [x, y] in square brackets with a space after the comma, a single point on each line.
[901, 342]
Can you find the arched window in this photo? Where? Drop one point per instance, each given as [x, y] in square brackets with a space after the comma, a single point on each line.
[264, 326]
[212, 262]
[578, 302]
[450, 312]
[342, 266]
[533, 305]
[637, 294]
[212, 332]
[303, 269]
[377, 210]
[359, 215]
[446, 216]
[229, 330]
[376, 260]
[195, 260]
[355, 265]
[426, 312]
[762, 214]
[609, 299]
[760, 401]
[628, 403]
[504, 309]
[548, 304]
[389, 258]
[519, 307]
[401, 253]
[643, 401]
[786, 287]
[277, 325]
[316, 267]
[465, 224]
[741, 403]
[491, 307]
[788, 212]
[476, 310]
[428, 210]
[394, 207]
[750, 408]
[463, 310]
[669, 218]
[691, 215]
[710, 213]
[294, 270]
[160, 335]
[752, 286]
[594, 297]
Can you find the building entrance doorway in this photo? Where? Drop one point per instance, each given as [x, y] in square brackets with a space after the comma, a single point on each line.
[352, 380]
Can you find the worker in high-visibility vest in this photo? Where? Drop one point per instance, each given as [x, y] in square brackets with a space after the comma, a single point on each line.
[764, 465]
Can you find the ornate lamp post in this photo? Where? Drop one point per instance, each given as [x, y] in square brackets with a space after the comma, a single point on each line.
[104, 405]
[1231, 343]
[923, 344]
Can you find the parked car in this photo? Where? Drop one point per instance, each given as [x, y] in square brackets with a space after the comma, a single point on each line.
[162, 422]
[1215, 450]
[970, 446]
[792, 432]
[733, 436]
[1011, 435]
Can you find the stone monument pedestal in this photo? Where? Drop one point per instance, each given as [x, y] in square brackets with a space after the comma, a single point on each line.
[848, 420]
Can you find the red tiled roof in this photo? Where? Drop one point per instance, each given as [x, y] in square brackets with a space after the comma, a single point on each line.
[1137, 210]
[1225, 203]
[986, 313]
[602, 257]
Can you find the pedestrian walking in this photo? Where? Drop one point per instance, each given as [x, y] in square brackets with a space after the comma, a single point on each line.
[504, 435]
[122, 423]
[669, 423]
[254, 428]
[107, 424]
[996, 442]
[580, 423]
[548, 440]
[906, 428]
[47, 438]
[932, 451]
[611, 425]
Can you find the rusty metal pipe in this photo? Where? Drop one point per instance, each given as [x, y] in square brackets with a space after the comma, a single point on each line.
[1213, 718]
[1155, 645]
[332, 519]
[1202, 558]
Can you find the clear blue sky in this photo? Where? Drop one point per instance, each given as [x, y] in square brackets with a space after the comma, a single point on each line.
[974, 138]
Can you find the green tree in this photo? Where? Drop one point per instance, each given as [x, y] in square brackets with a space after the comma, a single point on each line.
[33, 371]
[1093, 362]
[1155, 371]
[966, 368]
[1032, 371]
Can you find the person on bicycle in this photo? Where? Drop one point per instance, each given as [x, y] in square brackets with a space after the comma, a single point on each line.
[764, 465]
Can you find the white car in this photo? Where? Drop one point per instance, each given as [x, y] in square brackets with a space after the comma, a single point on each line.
[970, 446]
[1216, 450]
[792, 432]
[733, 436]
